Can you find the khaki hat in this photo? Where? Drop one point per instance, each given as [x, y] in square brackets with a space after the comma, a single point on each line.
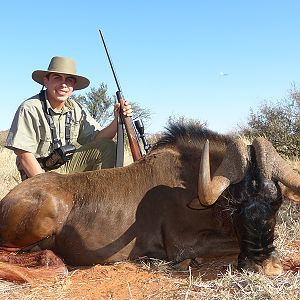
[61, 65]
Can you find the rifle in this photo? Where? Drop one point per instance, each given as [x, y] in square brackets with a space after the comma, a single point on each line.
[127, 121]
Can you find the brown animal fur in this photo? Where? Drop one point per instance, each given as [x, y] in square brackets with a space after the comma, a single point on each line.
[137, 211]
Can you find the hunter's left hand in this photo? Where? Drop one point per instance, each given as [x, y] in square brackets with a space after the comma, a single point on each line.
[127, 110]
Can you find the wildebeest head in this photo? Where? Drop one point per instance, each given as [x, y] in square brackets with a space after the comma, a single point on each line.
[257, 177]
[256, 200]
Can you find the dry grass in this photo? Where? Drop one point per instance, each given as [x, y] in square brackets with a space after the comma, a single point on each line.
[3, 135]
[9, 175]
[230, 285]
[247, 286]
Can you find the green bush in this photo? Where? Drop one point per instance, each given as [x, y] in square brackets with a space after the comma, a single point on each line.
[278, 122]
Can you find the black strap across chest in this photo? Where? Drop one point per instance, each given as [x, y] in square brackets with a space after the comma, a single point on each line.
[55, 140]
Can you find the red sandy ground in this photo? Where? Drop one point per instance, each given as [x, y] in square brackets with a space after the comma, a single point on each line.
[127, 280]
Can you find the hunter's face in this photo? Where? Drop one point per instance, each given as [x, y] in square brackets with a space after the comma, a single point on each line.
[59, 87]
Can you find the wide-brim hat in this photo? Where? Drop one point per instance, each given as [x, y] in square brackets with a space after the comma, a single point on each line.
[61, 65]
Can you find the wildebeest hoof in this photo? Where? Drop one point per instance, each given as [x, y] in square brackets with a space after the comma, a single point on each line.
[183, 265]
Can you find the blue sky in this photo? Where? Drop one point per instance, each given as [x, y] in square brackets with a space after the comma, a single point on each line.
[168, 54]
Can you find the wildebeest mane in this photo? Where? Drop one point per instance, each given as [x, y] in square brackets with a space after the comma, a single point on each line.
[189, 136]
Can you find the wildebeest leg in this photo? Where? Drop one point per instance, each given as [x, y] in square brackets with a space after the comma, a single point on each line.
[205, 244]
[71, 245]
[47, 243]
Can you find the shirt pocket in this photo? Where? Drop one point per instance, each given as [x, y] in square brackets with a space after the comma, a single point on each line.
[75, 127]
[45, 143]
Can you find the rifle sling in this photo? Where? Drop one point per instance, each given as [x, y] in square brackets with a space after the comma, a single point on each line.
[120, 143]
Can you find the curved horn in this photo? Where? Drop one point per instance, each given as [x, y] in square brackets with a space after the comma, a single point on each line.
[273, 166]
[232, 170]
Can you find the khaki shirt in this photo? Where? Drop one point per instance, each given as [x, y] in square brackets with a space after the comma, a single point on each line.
[30, 130]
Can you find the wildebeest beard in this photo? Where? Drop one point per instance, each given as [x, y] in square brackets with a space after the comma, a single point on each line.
[256, 201]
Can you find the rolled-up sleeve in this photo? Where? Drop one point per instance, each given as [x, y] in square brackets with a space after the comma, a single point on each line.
[88, 128]
[24, 131]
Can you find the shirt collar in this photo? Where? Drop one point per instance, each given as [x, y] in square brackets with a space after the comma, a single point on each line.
[67, 107]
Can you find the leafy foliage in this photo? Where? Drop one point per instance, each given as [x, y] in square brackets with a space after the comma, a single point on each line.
[184, 120]
[98, 104]
[279, 122]
[141, 113]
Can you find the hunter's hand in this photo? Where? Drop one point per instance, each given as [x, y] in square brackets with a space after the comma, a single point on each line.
[127, 110]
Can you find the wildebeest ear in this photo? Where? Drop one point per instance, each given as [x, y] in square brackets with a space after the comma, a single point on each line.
[289, 193]
[195, 204]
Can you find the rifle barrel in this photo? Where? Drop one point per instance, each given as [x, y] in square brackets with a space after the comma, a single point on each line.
[110, 62]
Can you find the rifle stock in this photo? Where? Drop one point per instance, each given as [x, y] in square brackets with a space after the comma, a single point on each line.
[132, 138]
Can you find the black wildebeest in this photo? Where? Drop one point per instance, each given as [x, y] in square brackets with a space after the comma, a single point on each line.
[164, 206]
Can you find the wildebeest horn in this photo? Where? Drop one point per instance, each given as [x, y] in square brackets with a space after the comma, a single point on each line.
[232, 170]
[273, 166]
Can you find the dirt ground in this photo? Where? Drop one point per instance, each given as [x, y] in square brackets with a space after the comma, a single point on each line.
[124, 280]
[128, 280]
